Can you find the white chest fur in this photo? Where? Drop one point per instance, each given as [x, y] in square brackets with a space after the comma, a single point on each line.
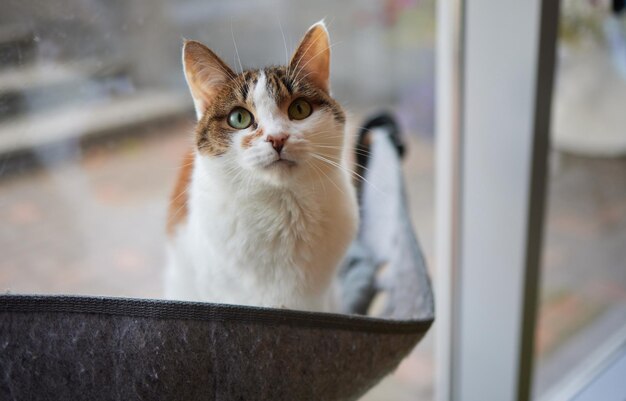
[274, 247]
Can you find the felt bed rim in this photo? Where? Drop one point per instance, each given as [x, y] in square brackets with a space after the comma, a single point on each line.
[183, 310]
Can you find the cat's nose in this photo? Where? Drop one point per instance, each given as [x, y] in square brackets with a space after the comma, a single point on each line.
[277, 141]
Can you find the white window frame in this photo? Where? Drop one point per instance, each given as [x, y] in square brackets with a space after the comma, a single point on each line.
[495, 68]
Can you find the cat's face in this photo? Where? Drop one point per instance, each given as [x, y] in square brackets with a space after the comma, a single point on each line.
[276, 124]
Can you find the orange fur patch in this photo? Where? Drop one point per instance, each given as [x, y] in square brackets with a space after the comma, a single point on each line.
[246, 142]
[177, 212]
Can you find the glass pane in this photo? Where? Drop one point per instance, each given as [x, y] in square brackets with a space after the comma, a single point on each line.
[95, 118]
[583, 297]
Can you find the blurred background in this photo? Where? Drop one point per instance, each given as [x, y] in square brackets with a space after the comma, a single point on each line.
[95, 117]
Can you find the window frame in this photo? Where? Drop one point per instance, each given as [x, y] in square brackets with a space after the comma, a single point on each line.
[493, 114]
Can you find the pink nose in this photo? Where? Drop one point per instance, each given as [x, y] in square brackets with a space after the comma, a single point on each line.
[277, 141]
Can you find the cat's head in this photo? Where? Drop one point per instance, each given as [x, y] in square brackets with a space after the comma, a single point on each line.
[276, 124]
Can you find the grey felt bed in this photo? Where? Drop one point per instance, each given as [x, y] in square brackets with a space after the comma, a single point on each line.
[94, 348]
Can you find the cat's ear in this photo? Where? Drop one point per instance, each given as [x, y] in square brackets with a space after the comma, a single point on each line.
[205, 73]
[312, 57]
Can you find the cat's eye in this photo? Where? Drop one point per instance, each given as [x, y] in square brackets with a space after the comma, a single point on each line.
[299, 109]
[239, 118]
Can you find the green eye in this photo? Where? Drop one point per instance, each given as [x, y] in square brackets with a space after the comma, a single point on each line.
[299, 109]
[240, 118]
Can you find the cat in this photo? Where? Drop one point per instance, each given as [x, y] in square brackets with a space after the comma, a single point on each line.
[264, 208]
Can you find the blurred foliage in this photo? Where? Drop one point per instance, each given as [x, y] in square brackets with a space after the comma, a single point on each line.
[582, 22]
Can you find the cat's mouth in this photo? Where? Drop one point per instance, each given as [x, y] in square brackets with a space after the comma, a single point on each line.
[282, 162]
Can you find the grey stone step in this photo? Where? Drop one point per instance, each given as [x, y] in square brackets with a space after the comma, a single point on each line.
[38, 86]
[25, 132]
[17, 44]
[41, 75]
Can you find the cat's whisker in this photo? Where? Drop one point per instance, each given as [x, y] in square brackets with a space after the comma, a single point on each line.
[330, 145]
[177, 168]
[183, 192]
[319, 176]
[354, 163]
[282, 32]
[236, 50]
[317, 133]
[173, 216]
[326, 135]
[359, 151]
[333, 163]
[329, 178]
[238, 173]
[339, 159]
[353, 151]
